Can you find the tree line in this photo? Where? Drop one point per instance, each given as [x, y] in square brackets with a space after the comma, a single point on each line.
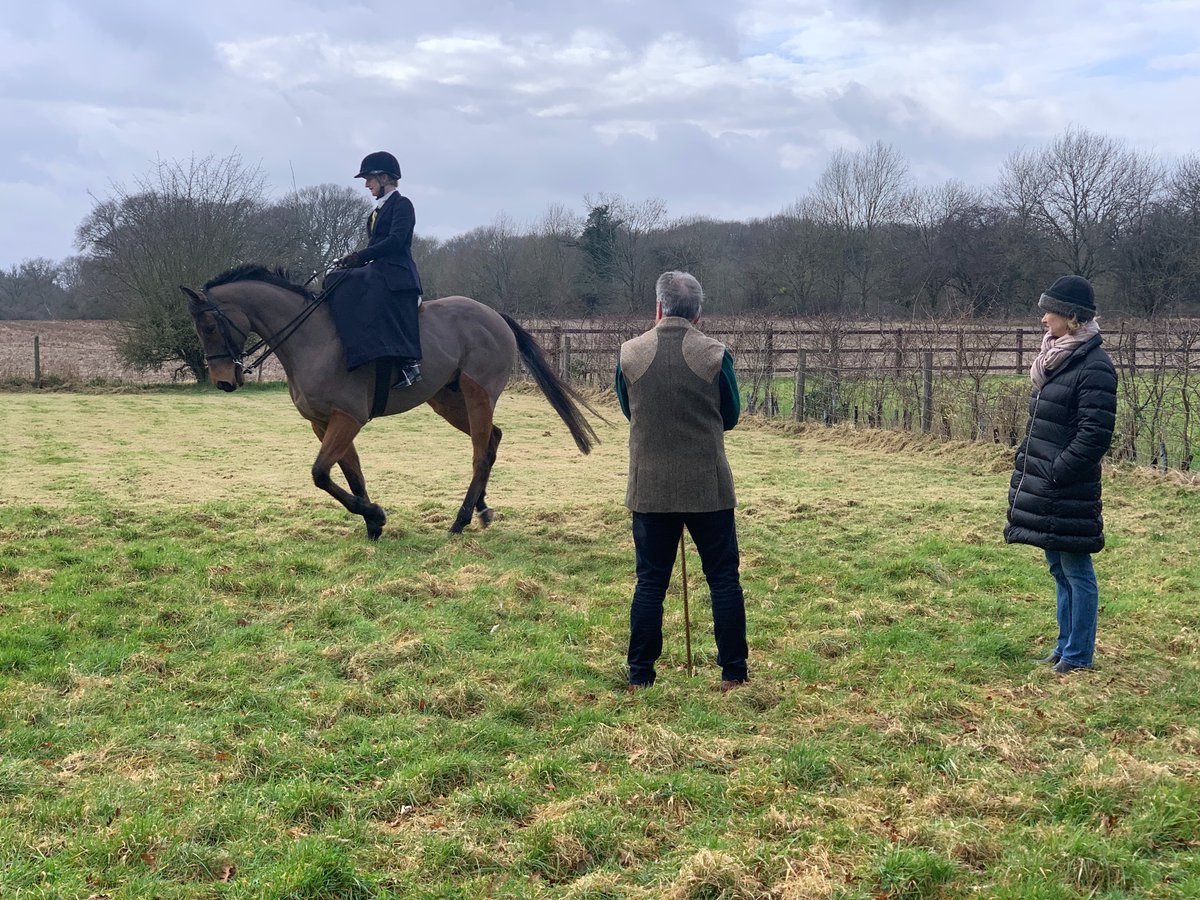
[865, 242]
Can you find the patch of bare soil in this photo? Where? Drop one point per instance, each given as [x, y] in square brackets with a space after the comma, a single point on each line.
[80, 350]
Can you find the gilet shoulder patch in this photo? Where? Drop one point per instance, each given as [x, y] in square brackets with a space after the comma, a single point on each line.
[637, 354]
[703, 354]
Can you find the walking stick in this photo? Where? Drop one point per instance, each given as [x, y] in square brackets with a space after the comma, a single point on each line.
[687, 620]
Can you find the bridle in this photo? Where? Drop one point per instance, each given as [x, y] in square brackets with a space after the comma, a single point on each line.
[228, 328]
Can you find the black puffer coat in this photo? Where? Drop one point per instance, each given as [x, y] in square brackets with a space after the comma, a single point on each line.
[1054, 496]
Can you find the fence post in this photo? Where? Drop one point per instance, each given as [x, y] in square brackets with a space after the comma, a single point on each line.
[835, 375]
[769, 369]
[899, 352]
[927, 393]
[961, 351]
[556, 346]
[1020, 350]
[565, 358]
[37, 361]
[1133, 353]
[801, 372]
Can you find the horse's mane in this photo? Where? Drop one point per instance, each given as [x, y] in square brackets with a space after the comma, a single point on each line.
[255, 272]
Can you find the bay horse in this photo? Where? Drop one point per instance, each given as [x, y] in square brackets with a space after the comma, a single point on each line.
[469, 351]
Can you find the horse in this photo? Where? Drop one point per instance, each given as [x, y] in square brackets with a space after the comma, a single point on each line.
[469, 351]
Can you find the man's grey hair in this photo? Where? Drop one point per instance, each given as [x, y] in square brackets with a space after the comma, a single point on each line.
[680, 295]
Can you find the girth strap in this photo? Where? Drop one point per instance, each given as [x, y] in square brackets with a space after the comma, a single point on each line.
[383, 386]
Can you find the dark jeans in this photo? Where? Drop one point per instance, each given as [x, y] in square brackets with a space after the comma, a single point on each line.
[656, 542]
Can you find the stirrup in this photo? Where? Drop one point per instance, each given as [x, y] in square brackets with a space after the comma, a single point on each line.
[408, 374]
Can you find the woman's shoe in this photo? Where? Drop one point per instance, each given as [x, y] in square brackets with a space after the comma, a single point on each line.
[1065, 668]
[1051, 659]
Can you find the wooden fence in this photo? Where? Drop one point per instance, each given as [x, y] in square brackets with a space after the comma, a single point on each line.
[959, 380]
[588, 350]
[963, 380]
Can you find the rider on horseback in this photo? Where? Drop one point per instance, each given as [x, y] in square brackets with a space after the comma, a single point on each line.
[375, 299]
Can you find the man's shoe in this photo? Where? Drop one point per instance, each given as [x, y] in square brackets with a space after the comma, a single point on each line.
[1065, 668]
[727, 686]
[408, 375]
[1051, 659]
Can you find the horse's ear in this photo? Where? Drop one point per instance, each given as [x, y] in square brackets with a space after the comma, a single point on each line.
[192, 296]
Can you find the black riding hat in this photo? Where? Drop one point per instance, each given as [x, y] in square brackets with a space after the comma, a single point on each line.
[380, 163]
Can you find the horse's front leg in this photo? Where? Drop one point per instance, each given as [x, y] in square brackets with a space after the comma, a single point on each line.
[352, 470]
[337, 446]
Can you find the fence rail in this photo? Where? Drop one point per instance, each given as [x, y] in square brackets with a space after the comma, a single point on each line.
[940, 378]
[986, 349]
[959, 380]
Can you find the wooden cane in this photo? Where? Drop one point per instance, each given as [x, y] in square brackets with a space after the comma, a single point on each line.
[687, 619]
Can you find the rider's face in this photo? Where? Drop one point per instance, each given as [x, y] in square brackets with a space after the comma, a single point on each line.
[375, 186]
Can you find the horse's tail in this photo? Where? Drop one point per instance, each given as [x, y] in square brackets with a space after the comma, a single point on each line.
[565, 399]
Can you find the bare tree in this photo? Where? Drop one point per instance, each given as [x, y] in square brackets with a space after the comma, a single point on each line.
[550, 261]
[499, 243]
[856, 195]
[321, 223]
[35, 289]
[1077, 193]
[183, 223]
[789, 259]
[719, 253]
[633, 263]
[483, 264]
[932, 214]
[1183, 197]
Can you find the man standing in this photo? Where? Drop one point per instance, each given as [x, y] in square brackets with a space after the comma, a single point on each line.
[678, 390]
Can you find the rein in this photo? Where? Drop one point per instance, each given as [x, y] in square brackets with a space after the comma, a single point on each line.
[271, 343]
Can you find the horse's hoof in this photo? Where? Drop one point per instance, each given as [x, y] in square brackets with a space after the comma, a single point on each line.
[375, 523]
[486, 515]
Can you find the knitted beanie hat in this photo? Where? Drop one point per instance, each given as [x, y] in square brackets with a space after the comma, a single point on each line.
[1070, 296]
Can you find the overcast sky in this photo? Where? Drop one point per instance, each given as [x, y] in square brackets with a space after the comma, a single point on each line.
[723, 108]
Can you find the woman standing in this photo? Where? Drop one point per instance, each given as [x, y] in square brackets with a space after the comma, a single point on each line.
[1054, 496]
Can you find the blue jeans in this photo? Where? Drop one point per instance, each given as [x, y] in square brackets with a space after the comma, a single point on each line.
[656, 542]
[1078, 605]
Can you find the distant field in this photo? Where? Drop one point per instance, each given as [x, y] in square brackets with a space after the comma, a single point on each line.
[77, 351]
[212, 685]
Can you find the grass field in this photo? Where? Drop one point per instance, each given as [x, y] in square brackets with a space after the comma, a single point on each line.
[212, 685]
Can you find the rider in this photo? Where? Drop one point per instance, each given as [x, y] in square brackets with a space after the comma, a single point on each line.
[376, 297]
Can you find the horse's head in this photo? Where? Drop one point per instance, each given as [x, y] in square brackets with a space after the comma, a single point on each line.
[222, 335]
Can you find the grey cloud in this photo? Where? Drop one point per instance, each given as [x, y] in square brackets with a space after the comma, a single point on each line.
[115, 85]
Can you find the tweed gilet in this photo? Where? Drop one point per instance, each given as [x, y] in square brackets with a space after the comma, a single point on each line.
[676, 435]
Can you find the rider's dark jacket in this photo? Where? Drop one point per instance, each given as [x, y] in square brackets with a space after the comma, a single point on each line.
[375, 306]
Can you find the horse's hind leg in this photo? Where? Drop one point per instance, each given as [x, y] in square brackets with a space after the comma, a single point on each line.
[337, 446]
[470, 410]
[481, 508]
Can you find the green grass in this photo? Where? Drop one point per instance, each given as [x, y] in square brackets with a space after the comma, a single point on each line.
[212, 685]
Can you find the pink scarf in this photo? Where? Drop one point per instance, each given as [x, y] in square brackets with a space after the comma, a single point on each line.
[1056, 350]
